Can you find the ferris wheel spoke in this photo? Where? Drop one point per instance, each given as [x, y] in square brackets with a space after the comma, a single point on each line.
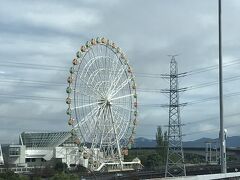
[87, 67]
[95, 123]
[109, 133]
[122, 85]
[87, 127]
[116, 79]
[114, 69]
[121, 123]
[94, 134]
[80, 125]
[115, 135]
[120, 97]
[91, 53]
[86, 105]
[119, 112]
[119, 106]
[84, 119]
[118, 118]
[90, 63]
[96, 115]
[90, 68]
[119, 75]
[99, 76]
[104, 126]
[105, 67]
[92, 78]
[105, 57]
[98, 88]
[103, 129]
[81, 93]
[94, 74]
[90, 88]
[123, 116]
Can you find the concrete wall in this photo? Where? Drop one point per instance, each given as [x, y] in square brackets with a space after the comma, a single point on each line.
[69, 155]
[14, 155]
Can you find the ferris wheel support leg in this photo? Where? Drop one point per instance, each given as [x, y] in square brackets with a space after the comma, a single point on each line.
[102, 133]
[100, 111]
[115, 133]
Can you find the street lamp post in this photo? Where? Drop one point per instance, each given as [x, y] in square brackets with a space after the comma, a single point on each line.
[222, 139]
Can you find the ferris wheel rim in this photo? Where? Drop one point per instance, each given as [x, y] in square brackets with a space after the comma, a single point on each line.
[112, 95]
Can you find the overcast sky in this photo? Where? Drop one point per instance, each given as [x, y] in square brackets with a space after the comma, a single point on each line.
[48, 33]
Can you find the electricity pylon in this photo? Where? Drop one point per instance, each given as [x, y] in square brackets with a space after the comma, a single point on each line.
[175, 158]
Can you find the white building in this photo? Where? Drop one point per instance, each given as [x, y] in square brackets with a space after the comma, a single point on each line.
[1, 156]
[39, 149]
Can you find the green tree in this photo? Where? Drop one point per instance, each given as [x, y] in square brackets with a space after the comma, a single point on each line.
[153, 161]
[162, 143]
[60, 167]
[10, 175]
[64, 176]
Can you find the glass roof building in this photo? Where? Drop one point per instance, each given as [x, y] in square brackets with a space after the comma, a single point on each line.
[40, 149]
[44, 139]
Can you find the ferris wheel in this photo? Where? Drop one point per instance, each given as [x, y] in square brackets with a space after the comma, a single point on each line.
[102, 102]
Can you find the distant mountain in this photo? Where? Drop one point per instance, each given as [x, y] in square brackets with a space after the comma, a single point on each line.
[197, 143]
[233, 141]
[144, 142]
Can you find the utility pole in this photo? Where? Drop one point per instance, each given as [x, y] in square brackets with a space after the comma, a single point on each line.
[175, 159]
[222, 139]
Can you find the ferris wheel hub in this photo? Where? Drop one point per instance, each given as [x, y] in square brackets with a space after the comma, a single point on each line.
[106, 101]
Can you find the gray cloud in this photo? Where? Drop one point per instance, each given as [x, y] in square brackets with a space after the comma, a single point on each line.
[50, 32]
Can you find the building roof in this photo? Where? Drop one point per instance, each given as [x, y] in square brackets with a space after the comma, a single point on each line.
[43, 139]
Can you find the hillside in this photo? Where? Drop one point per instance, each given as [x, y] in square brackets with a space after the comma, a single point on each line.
[233, 141]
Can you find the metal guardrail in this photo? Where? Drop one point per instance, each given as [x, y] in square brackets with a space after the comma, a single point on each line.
[211, 176]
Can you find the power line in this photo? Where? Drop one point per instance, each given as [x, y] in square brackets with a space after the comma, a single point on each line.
[213, 129]
[10, 64]
[141, 105]
[195, 122]
[31, 97]
[43, 83]
[211, 119]
[213, 67]
[196, 132]
[197, 86]
[194, 102]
